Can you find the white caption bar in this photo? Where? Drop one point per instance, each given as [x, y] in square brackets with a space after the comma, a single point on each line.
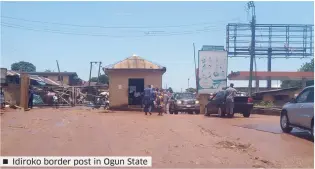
[72, 161]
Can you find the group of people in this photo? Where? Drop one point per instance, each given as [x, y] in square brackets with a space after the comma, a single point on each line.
[31, 93]
[155, 98]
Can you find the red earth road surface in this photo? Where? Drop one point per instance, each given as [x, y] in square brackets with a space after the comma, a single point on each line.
[172, 140]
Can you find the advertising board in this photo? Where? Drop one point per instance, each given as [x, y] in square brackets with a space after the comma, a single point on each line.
[212, 75]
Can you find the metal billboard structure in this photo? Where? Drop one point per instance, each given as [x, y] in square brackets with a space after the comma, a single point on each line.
[268, 41]
[275, 40]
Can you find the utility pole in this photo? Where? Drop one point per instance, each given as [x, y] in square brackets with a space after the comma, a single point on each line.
[188, 83]
[59, 77]
[252, 46]
[99, 72]
[269, 67]
[195, 68]
[90, 72]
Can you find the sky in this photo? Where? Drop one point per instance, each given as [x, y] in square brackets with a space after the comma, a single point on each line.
[161, 32]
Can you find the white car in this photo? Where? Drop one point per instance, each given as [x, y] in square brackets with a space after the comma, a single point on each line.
[299, 112]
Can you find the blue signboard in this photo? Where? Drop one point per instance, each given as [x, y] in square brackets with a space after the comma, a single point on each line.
[212, 48]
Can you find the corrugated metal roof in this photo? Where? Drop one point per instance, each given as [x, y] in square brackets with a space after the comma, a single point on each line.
[52, 73]
[12, 73]
[45, 80]
[276, 90]
[135, 62]
[35, 77]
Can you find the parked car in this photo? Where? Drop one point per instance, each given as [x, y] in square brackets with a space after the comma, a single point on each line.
[216, 105]
[299, 112]
[184, 102]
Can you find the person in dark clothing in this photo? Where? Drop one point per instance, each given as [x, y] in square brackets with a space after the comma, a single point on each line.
[2, 99]
[148, 99]
[30, 96]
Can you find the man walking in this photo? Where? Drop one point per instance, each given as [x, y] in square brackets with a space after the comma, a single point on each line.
[230, 94]
[148, 99]
[30, 97]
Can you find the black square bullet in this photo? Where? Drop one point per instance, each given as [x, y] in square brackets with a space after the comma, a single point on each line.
[5, 161]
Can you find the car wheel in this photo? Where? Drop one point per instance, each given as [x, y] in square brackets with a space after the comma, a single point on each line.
[284, 123]
[246, 114]
[197, 112]
[175, 112]
[190, 112]
[220, 112]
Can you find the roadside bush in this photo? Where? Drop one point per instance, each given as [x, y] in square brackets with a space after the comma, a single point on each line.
[265, 104]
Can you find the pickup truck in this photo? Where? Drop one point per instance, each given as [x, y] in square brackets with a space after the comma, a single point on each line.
[216, 105]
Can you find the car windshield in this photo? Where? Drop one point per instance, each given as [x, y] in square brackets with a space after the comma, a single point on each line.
[185, 96]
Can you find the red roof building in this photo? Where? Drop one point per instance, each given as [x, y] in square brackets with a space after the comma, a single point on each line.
[244, 75]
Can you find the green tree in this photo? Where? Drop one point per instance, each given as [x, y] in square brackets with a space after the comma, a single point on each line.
[47, 70]
[306, 67]
[77, 80]
[103, 79]
[23, 66]
[191, 90]
[170, 90]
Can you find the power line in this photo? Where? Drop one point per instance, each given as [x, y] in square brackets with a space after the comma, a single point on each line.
[113, 27]
[86, 34]
[51, 30]
[145, 34]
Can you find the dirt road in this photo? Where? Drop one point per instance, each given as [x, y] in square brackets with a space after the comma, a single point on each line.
[171, 140]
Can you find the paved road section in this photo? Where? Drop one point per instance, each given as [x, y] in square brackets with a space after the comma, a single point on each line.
[172, 140]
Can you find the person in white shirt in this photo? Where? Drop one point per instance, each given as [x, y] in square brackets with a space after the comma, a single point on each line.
[230, 94]
[165, 100]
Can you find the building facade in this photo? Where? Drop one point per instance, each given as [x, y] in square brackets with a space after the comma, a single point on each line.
[128, 78]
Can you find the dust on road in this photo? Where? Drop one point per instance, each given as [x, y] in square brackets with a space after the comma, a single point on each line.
[171, 140]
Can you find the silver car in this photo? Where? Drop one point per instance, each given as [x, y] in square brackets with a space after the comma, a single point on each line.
[299, 112]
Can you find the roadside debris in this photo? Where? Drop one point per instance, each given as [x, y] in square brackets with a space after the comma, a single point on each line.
[234, 145]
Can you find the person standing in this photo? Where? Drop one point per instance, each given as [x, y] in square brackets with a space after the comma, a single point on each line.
[2, 99]
[165, 100]
[159, 101]
[30, 96]
[148, 99]
[55, 101]
[230, 94]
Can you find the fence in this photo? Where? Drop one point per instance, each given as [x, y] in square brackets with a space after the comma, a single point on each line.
[66, 96]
